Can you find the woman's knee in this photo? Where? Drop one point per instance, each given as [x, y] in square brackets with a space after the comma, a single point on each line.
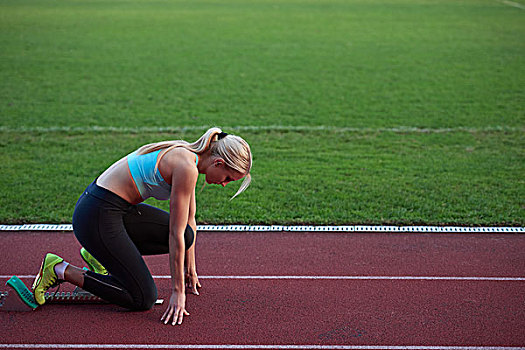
[146, 300]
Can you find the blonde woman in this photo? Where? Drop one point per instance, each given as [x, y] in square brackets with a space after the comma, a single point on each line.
[116, 229]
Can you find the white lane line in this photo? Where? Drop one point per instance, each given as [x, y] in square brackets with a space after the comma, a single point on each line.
[255, 128]
[513, 4]
[269, 277]
[231, 346]
[359, 278]
[284, 228]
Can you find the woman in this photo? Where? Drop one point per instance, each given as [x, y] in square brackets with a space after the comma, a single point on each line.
[116, 229]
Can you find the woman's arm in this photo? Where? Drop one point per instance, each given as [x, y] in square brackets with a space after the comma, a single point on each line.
[192, 281]
[184, 179]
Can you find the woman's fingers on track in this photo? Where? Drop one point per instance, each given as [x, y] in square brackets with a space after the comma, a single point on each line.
[178, 315]
[181, 314]
[194, 287]
[196, 284]
[167, 315]
[192, 284]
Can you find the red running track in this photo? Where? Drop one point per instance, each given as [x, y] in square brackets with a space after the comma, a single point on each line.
[370, 312]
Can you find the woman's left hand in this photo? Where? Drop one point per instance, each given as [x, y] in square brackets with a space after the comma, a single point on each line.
[192, 282]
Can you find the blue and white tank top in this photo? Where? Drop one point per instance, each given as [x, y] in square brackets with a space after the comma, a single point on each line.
[148, 180]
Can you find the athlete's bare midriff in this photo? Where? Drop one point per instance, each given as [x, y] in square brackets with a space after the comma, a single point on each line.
[118, 180]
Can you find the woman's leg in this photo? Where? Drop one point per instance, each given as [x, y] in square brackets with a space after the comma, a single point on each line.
[148, 228]
[118, 242]
[98, 226]
[129, 283]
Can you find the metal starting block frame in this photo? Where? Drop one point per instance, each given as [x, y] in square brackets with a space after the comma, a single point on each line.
[19, 298]
[78, 296]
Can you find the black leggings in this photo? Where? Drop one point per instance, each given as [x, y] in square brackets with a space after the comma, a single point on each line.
[117, 234]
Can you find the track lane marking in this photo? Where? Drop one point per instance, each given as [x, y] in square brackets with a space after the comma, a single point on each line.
[231, 346]
[272, 128]
[308, 229]
[269, 277]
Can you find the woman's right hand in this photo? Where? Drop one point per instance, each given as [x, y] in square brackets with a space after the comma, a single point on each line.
[176, 309]
[192, 282]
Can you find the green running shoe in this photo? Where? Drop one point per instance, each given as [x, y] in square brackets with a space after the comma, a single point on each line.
[46, 277]
[93, 263]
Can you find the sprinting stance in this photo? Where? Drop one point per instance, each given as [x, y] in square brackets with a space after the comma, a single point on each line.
[115, 229]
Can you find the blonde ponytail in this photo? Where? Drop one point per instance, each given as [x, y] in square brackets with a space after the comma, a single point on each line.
[199, 146]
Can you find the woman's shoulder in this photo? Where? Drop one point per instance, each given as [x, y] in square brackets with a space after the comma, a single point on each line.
[179, 160]
[180, 155]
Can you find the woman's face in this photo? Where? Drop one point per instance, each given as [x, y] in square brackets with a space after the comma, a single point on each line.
[220, 174]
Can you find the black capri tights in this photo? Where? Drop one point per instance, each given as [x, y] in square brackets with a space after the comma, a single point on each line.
[118, 234]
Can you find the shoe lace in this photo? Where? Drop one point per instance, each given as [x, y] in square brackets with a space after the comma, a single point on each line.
[53, 282]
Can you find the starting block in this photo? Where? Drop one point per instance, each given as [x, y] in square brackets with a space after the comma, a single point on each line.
[19, 298]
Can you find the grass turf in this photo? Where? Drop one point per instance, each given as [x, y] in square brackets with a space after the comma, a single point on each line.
[345, 64]
[328, 178]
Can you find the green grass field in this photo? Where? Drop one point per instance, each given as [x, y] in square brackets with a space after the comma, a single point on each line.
[358, 111]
